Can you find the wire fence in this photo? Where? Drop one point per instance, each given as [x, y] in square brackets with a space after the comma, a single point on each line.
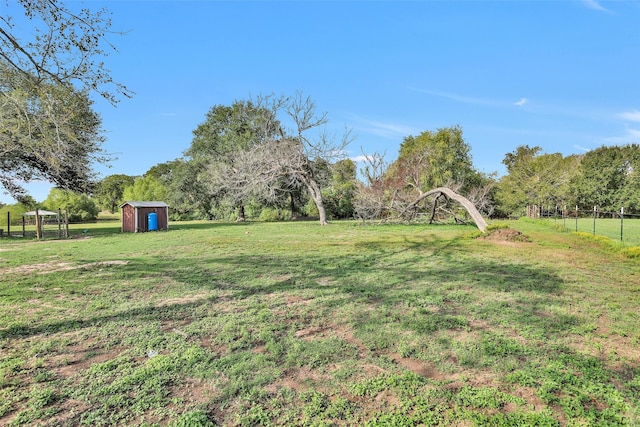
[616, 225]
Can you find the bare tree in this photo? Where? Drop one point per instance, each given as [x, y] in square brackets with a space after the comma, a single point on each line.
[370, 200]
[288, 159]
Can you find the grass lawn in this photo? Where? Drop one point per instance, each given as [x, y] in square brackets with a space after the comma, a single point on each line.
[297, 324]
[607, 227]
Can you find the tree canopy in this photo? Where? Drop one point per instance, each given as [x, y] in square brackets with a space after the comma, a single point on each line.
[536, 178]
[109, 192]
[49, 132]
[433, 159]
[51, 59]
[48, 42]
[245, 151]
[609, 178]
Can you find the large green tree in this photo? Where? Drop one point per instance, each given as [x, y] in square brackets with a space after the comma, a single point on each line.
[340, 193]
[292, 157]
[110, 191]
[49, 132]
[609, 179]
[186, 191]
[438, 159]
[213, 154]
[433, 159]
[536, 178]
[146, 188]
[79, 207]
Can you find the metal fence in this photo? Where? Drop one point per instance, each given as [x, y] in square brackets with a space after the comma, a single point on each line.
[617, 225]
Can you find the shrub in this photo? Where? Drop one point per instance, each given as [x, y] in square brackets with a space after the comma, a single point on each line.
[271, 215]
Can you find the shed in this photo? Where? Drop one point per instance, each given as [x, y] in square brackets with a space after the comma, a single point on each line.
[135, 216]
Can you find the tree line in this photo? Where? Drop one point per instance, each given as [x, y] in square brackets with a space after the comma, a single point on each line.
[242, 164]
[270, 157]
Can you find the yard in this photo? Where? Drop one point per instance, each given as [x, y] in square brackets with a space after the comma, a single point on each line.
[297, 324]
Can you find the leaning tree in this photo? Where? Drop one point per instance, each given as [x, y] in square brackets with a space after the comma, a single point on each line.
[434, 164]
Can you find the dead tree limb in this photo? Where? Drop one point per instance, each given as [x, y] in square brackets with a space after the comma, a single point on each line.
[470, 207]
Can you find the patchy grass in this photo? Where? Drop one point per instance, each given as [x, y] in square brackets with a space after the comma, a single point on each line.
[296, 324]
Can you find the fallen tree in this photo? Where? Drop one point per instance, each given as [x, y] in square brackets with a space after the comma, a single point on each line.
[447, 192]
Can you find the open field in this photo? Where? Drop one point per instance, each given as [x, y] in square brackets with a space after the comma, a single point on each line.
[297, 324]
[607, 227]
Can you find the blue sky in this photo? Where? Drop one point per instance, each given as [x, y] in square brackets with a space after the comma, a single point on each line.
[563, 75]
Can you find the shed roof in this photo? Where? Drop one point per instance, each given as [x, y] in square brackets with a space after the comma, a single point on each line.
[146, 204]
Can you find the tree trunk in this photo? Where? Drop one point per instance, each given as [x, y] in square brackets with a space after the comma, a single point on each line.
[292, 205]
[241, 216]
[316, 195]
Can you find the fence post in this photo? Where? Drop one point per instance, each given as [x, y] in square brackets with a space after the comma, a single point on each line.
[8, 224]
[66, 223]
[595, 212]
[59, 218]
[576, 218]
[621, 222]
[38, 225]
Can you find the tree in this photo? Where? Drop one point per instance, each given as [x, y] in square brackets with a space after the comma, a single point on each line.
[295, 156]
[370, 197]
[212, 155]
[263, 159]
[110, 191]
[147, 188]
[12, 213]
[535, 178]
[54, 44]
[609, 178]
[79, 206]
[49, 132]
[340, 193]
[433, 159]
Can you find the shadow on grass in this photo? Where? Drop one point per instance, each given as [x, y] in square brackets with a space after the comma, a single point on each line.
[383, 275]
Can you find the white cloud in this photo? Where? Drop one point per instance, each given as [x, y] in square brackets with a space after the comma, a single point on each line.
[593, 4]
[521, 102]
[461, 98]
[578, 147]
[361, 158]
[632, 116]
[383, 129]
[630, 136]
[634, 134]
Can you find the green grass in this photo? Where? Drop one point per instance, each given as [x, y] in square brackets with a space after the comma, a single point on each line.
[608, 227]
[297, 324]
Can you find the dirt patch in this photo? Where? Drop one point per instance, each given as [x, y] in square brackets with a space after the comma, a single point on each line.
[506, 235]
[298, 379]
[183, 300]
[417, 366]
[78, 360]
[53, 267]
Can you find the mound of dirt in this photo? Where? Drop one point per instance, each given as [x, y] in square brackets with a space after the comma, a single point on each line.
[506, 235]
